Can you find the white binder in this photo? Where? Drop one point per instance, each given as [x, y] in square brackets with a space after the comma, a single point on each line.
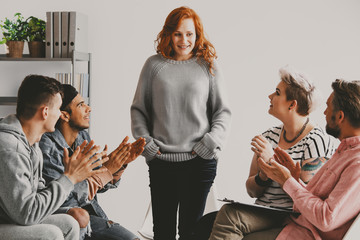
[78, 32]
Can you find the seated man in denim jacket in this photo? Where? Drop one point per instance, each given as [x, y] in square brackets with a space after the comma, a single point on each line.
[70, 133]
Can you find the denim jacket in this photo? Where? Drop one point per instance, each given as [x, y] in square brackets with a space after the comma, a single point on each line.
[52, 145]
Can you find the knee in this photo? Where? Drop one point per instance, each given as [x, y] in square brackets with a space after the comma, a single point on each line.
[80, 215]
[52, 233]
[225, 209]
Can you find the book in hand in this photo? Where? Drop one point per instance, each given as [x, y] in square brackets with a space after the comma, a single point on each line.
[271, 208]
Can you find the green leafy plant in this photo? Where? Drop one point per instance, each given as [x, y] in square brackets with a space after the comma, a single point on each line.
[14, 30]
[35, 29]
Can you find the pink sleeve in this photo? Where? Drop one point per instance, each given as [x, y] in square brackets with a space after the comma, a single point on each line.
[340, 206]
[97, 182]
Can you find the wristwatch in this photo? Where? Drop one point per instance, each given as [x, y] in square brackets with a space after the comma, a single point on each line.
[261, 182]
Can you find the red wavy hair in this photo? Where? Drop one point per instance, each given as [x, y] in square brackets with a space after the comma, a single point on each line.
[202, 49]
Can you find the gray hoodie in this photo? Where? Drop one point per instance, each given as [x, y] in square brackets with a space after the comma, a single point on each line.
[24, 199]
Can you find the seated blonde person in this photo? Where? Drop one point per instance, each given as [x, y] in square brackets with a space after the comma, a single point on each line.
[307, 144]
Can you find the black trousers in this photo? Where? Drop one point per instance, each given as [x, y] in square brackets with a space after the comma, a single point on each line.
[182, 186]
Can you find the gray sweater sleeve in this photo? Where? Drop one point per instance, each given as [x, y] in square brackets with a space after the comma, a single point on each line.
[141, 111]
[220, 118]
[21, 199]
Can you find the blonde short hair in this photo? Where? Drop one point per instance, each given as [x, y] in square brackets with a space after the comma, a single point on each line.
[299, 88]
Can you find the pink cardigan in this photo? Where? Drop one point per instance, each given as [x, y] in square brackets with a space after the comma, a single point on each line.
[331, 201]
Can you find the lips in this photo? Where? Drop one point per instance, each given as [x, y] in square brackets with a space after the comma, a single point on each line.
[183, 47]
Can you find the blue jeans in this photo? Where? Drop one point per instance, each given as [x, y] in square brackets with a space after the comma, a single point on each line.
[183, 185]
[104, 229]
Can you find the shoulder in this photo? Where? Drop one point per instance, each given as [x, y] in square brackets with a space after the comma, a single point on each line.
[47, 142]
[11, 143]
[319, 142]
[13, 151]
[273, 135]
[153, 64]
[154, 60]
[273, 131]
[317, 134]
[84, 135]
[8, 141]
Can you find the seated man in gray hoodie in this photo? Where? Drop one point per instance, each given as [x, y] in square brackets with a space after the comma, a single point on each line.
[71, 132]
[26, 205]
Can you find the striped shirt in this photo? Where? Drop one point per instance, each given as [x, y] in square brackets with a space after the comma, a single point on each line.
[314, 145]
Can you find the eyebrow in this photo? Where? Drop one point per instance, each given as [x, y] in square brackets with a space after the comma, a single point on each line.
[80, 103]
[277, 89]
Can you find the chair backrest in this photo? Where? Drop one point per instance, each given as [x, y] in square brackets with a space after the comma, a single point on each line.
[354, 230]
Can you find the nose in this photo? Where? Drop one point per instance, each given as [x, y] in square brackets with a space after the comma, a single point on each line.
[183, 38]
[270, 96]
[325, 111]
[88, 108]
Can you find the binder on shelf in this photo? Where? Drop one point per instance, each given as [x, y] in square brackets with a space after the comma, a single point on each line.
[57, 34]
[64, 34]
[78, 32]
[49, 35]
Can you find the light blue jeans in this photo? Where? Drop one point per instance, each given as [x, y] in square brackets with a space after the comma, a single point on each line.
[106, 229]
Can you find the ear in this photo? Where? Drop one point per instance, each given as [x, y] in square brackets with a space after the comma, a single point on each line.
[340, 117]
[293, 105]
[65, 116]
[44, 112]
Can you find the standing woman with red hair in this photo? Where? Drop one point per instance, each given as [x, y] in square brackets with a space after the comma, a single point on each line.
[180, 108]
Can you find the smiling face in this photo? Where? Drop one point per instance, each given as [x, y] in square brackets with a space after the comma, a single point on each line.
[278, 103]
[80, 113]
[183, 39]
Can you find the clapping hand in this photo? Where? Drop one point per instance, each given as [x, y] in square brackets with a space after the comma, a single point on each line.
[262, 148]
[274, 170]
[284, 159]
[119, 156]
[137, 148]
[78, 169]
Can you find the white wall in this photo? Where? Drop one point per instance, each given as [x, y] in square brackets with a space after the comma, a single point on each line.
[253, 38]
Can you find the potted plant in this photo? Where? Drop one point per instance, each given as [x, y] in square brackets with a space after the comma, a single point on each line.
[14, 35]
[36, 36]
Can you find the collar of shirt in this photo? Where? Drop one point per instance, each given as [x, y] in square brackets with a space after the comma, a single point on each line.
[348, 143]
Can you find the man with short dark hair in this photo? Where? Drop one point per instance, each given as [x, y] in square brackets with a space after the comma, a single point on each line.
[24, 199]
[71, 132]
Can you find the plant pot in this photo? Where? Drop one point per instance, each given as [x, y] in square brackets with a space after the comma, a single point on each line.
[14, 49]
[37, 49]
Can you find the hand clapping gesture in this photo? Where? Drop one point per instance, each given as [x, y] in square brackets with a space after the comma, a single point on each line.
[282, 168]
[262, 148]
[81, 164]
[284, 159]
[124, 154]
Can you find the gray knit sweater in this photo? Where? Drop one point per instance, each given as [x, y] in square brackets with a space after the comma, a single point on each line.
[180, 107]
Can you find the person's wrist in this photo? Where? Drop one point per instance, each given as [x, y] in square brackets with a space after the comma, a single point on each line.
[262, 176]
[260, 182]
[71, 178]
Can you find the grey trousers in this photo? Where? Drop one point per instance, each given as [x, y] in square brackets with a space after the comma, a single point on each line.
[235, 222]
[54, 227]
